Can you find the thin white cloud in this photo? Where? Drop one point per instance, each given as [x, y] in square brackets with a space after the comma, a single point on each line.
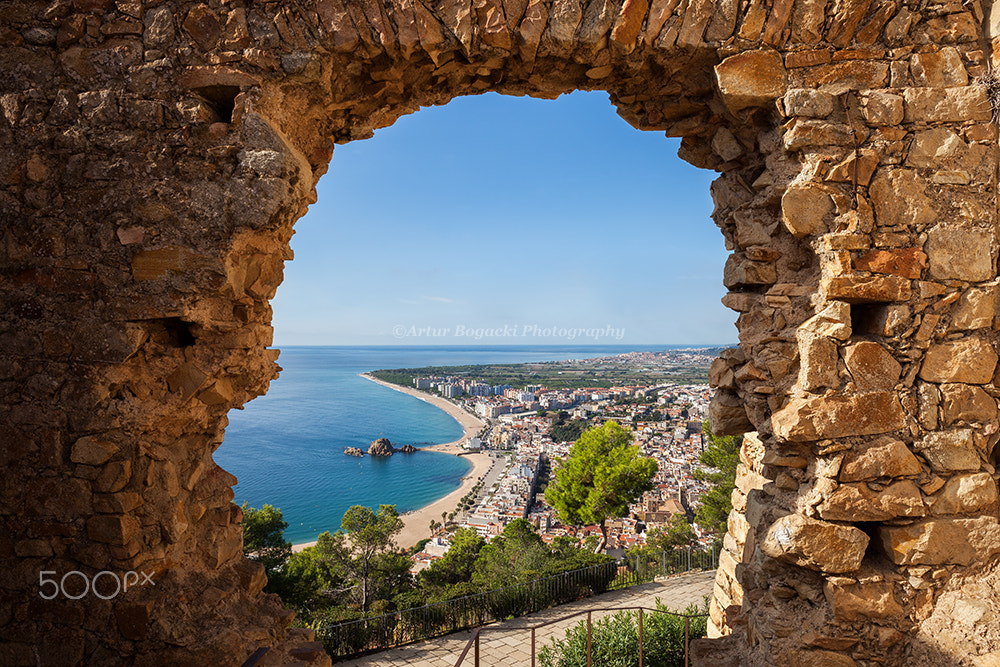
[440, 299]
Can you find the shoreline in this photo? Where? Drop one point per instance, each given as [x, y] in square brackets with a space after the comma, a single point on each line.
[416, 523]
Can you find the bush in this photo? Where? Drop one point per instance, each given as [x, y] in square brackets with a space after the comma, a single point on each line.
[615, 640]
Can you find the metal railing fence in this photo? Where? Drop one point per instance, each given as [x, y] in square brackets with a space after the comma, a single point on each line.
[474, 641]
[377, 633]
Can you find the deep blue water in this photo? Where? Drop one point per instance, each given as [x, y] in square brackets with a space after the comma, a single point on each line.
[287, 447]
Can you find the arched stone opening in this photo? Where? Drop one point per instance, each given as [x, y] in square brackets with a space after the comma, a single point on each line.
[158, 153]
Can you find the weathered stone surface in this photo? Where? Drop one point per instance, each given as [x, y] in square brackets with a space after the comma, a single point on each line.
[976, 309]
[751, 79]
[970, 360]
[203, 26]
[883, 108]
[936, 147]
[809, 133]
[806, 209]
[92, 451]
[818, 362]
[871, 366]
[965, 494]
[899, 198]
[854, 601]
[741, 271]
[888, 457]
[727, 415]
[866, 289]
[816, 545]
[942, 541]
[853, 168]
[808, 102]
[941, 69]
[838, 78]
[959, 104]
[805, 419]
[112, 529]
[961, 252]
[965, 403]
[949, 451]
[904, 262]
[856, 502]
[833, 321]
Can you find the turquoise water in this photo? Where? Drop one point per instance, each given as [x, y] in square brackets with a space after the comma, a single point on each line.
[287, 447]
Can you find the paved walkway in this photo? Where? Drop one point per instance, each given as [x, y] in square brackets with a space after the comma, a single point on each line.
[508, 644]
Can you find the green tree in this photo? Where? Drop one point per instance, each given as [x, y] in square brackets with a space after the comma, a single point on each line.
[370, 537]
[264, 539]
[677, 533]
[451, 575]
[602, 475]
[518, 554]
[721, 456]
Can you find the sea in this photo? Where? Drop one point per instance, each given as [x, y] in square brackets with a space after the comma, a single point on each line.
[286, 448]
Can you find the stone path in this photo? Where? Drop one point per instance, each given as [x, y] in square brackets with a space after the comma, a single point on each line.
[509, 644]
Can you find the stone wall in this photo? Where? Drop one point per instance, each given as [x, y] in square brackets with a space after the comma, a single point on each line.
[157, 153]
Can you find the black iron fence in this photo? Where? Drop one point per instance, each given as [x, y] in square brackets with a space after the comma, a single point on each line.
[378, 633]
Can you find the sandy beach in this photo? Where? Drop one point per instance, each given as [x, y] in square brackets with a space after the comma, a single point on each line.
[416, 524]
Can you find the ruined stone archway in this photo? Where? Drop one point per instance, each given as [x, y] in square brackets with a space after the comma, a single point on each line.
[156, 155]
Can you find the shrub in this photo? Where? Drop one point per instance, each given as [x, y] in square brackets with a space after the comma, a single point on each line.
[615, 640]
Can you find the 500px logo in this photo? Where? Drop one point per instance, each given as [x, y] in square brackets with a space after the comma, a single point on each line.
[107, 580]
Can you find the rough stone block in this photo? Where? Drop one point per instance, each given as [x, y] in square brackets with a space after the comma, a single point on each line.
[858, 601]
[833, 321]
[820, 418]
[808, 102]
[751, 79]
[727, 414]
[866, 289]
[976, 309]
[856, 502]
[92, 451]
[941, 69]
[740, 271]
[946, 105]
[966, 494]
[950, 451]
[970, 360]
[903, 262]
[806, 209]
[942, 541]
[935, 148]
[112, 529]
[817, 362]
[961, 252]
[899, 197]
[888, 457]
[814, 133]
[871, 366]
[965, 403]
[815, 545]
[882, 108]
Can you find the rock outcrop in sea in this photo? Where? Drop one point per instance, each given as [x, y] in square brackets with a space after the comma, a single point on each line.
[381, 447]
[353, 451]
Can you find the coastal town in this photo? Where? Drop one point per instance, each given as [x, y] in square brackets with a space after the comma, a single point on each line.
[528, 429]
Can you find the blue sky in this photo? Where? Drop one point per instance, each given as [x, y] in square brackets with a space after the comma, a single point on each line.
[530, 217]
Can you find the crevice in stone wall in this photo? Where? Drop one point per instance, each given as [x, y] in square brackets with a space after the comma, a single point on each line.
[170, 332]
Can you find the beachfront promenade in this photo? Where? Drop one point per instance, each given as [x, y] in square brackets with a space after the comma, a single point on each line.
[508, 644]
